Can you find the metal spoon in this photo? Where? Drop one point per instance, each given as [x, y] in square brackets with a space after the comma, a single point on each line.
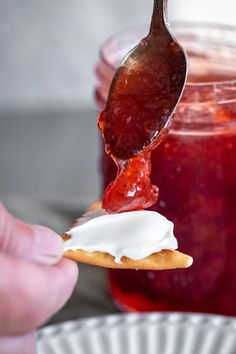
[145, 90]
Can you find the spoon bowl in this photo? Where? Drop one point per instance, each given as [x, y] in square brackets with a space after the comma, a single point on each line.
[145, 91]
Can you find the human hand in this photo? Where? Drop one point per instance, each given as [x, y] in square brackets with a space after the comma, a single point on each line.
[35, 282]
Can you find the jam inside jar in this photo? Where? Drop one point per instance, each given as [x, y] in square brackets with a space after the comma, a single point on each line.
[195, 170]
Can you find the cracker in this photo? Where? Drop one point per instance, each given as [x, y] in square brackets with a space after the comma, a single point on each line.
[165, 259]
[95, 205]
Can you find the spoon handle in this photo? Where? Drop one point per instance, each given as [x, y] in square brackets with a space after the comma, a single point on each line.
[159, 17]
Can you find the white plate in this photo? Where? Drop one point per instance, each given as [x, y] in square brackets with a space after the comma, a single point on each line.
[151, 333]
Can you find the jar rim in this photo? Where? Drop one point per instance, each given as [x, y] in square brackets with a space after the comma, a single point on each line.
[176, 25]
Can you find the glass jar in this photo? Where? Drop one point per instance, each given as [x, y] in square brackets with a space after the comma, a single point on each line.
[195, 170]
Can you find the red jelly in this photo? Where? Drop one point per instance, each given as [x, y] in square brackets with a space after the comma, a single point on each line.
[194, 168]
[132, 188]
[143, 94]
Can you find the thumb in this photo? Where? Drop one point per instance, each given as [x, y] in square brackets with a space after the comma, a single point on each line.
[32, 242]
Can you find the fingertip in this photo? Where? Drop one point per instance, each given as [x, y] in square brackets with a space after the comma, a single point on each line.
[68, 272]
[71, 269]
[48, 246]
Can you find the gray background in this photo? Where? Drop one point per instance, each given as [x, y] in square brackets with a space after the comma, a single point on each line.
[48, 138]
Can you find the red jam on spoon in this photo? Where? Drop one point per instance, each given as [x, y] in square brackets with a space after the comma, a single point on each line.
[144, 93]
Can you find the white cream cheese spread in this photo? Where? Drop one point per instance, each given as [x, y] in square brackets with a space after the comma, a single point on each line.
[133, 234]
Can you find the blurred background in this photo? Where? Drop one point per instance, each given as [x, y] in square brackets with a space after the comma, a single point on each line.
[48, 136]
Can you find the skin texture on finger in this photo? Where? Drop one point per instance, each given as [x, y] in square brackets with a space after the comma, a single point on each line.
[33, 242]
[18, 345]
[30, 294]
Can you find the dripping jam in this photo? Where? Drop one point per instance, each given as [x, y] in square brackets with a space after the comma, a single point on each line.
[130, 139]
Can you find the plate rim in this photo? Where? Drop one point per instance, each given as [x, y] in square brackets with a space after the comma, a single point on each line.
[194, 319]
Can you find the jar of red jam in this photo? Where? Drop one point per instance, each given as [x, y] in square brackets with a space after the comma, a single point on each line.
[195, 170]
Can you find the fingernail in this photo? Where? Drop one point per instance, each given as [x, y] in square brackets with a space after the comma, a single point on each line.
[48, 246]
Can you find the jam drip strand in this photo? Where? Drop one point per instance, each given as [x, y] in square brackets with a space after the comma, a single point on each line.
[132, 188]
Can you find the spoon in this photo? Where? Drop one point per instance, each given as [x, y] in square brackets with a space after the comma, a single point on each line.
[145, 90]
